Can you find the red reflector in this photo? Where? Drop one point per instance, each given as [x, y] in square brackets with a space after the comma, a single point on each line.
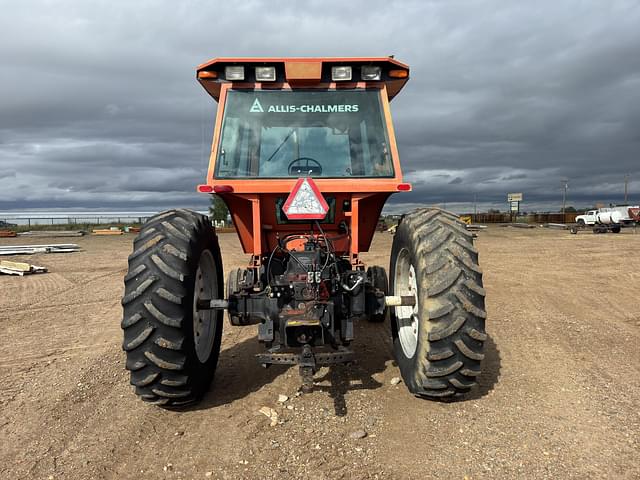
[223, 189]
[205, 188]
[404, 187]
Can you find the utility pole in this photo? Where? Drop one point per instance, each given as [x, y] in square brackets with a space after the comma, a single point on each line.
[475, 207]
[626, 183]
[565, 185]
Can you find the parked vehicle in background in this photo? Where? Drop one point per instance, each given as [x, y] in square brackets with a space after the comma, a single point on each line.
[610, 219]
[589, 218]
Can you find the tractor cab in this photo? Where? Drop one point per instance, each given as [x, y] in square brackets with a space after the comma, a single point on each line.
[325, 120]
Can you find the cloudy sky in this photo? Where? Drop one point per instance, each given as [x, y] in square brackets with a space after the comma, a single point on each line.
[99, 107]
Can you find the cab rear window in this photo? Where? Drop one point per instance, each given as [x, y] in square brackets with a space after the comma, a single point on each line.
[321, 133]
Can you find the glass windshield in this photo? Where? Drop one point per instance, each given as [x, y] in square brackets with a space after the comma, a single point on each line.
[321, 133]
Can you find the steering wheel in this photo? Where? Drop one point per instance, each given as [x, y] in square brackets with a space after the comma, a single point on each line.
[311, 165]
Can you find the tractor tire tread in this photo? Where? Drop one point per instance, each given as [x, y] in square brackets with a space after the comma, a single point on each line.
[156, 303]
[447, 269]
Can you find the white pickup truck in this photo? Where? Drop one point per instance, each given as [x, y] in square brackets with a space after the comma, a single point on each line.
[606, 219]
[589, 218]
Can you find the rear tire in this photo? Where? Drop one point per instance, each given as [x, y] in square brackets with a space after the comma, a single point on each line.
[171, 348]
[438, 344]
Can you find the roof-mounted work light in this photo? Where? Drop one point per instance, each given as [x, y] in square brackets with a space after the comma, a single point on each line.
[370, 72]
[234, 72]
[266, 74]
[341, 73]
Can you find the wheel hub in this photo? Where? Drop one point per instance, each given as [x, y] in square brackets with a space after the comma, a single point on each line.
[407, 317]
[204, 321]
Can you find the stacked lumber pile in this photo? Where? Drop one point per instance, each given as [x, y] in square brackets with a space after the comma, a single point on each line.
[30, 249]
[19, 268]
[52, 233]
[107, 231]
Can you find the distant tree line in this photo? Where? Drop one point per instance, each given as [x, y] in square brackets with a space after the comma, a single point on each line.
[218, 209]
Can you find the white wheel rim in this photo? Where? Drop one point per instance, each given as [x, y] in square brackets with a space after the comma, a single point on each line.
[406, 317]
[204, 321]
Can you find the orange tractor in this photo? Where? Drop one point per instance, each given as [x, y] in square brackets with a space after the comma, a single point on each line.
[304, 156]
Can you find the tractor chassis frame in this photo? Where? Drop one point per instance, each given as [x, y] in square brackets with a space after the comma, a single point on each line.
[307, 360]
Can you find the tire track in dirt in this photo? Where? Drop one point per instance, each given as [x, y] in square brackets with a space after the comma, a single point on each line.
[21, 292]
[35, 338]
[573, 363]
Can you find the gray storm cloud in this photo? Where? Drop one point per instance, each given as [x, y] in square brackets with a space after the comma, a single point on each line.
[100, 107]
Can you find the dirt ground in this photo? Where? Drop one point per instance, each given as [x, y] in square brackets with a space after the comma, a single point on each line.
[559, 396]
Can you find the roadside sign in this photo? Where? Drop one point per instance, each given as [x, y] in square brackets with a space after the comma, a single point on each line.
[514, 197]
[515, 206]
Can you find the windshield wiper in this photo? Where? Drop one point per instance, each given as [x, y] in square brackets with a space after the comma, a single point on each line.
[281, 144]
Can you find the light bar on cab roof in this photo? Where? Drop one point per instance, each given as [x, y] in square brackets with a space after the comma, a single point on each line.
[370, 72]
[266, 74]
[234, 72]
[341, 73]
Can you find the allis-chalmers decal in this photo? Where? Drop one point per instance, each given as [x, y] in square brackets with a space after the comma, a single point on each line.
[258, 108]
